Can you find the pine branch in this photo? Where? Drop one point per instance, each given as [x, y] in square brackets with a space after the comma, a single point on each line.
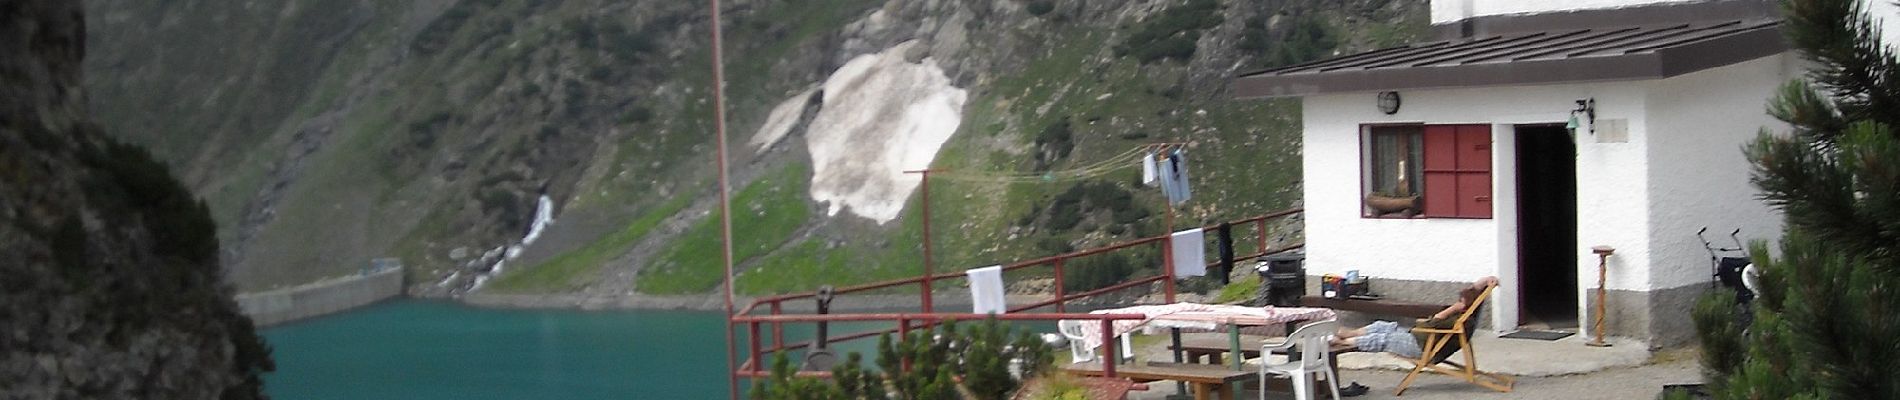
[1843, 40]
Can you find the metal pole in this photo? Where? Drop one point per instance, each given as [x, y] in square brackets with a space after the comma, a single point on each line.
[778, 328]
[1167, 258]
[1262, 230]
[1603, 265]
[1109, 347]
[928, 270]
[725, 205]
[1060, 297]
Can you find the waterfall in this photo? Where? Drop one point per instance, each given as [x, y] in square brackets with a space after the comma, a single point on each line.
[543, 216]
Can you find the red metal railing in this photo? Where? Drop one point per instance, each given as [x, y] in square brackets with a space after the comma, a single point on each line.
[777, 318]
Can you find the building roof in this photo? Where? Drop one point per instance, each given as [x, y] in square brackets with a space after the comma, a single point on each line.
[1527, 58]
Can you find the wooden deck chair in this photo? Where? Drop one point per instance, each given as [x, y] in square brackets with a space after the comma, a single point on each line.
[1441, 343]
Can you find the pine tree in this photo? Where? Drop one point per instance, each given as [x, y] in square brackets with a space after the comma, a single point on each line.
[1826, 323]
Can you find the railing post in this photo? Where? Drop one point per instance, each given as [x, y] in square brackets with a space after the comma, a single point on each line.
[1060, 296]
[778, 328]
[758, 358]
[903, 332]
[1260, 230]
[1109, 348]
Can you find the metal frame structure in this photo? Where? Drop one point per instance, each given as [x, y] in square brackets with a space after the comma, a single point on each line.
[771, 310]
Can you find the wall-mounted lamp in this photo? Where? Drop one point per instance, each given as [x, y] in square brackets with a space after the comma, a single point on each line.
[1389, 102]
[1588, 109]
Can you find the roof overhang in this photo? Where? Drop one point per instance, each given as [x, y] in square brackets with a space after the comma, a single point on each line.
[1527, 58]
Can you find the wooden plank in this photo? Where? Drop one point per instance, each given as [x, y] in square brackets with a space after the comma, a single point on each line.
[1156, 371]
[1378, 307]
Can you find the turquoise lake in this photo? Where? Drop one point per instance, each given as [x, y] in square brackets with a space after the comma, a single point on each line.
[441, 350]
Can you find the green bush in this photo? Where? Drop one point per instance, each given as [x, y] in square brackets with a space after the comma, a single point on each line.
[942, 360]
[1040, 7]
[1054, 144]
[1107, 269]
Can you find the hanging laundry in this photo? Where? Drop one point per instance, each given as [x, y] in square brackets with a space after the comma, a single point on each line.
[1148, 169]
[1165, 174]
[1189, 253]
[1177, 166]
[986, 290]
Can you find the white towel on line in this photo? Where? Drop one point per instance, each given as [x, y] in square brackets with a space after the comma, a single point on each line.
[1190, 253]
[986, 290]
[1148, 175]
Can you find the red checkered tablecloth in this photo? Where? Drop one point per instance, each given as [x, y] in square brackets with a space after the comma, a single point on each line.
[1200, 317]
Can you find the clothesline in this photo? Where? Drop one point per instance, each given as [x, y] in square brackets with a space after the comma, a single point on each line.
[1125, 159]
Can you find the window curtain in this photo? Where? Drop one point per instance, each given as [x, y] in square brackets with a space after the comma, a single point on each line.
[1390, 146]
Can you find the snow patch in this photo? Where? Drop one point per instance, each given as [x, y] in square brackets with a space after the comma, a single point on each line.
[780, 121]
[881, 116]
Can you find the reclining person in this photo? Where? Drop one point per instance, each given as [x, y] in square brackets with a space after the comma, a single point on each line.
[1387, 336]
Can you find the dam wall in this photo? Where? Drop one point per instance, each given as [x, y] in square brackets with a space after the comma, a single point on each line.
[381, 281]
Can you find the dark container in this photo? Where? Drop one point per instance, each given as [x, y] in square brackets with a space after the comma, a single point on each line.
[1283, 278]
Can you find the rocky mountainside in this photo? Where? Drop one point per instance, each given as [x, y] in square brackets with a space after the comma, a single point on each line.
[112, 287]
[328, 133]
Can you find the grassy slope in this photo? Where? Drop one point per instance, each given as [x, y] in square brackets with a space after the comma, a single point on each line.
[671, 140]
[765, 215]
[568, 270]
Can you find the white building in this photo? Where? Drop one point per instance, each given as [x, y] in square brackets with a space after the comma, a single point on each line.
[1664, 94]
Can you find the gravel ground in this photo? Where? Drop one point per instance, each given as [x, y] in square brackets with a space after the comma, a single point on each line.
[1643, 382]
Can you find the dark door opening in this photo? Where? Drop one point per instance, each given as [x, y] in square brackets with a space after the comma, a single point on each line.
[1547, 226]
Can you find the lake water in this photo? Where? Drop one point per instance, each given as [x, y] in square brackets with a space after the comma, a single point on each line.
[440, 350]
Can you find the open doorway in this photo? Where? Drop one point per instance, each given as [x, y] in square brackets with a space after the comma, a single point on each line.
[1547, 227]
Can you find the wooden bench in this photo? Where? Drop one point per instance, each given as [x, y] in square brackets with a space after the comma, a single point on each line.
[1207, 380]
[1213, 346]
[1195, 347]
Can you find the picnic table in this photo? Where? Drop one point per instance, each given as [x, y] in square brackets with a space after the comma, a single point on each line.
[1201, 317]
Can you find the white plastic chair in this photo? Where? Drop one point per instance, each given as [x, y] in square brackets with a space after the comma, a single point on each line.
[1311, 342]
[1079, 352]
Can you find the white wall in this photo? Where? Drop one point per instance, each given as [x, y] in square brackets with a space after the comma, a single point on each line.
[1338, 239]
[1444, 11]
[1680, 168]
[1700, 123]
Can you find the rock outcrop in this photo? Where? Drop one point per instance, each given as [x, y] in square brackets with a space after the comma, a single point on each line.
[110, 286]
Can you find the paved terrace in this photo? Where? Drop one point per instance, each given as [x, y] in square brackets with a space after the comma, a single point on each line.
[1561, 369]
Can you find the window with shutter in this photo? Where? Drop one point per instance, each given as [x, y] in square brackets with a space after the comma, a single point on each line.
[1452, 178]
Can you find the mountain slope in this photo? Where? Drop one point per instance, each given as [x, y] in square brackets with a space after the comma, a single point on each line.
[326, 134]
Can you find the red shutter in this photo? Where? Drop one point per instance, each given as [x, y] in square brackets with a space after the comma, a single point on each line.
[1457, 162]
[1441, 166]
[1474, 171]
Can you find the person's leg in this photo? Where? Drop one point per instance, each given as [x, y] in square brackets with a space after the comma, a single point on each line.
[1350, 333]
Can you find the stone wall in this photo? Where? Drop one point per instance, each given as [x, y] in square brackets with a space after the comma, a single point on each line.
[321, 298]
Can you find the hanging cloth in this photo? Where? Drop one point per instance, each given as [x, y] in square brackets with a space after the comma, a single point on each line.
[1177, 168]
[1190, 253]
[1164, 174]
[1148, 176]
[986, 290]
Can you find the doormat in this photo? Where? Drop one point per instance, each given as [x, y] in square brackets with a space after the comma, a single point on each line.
[1537, 334]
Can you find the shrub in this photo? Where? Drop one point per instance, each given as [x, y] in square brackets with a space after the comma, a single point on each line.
[1054, 143]
[1040, 7]
[939, 358]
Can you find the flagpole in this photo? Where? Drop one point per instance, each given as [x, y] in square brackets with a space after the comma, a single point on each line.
[725, 203]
